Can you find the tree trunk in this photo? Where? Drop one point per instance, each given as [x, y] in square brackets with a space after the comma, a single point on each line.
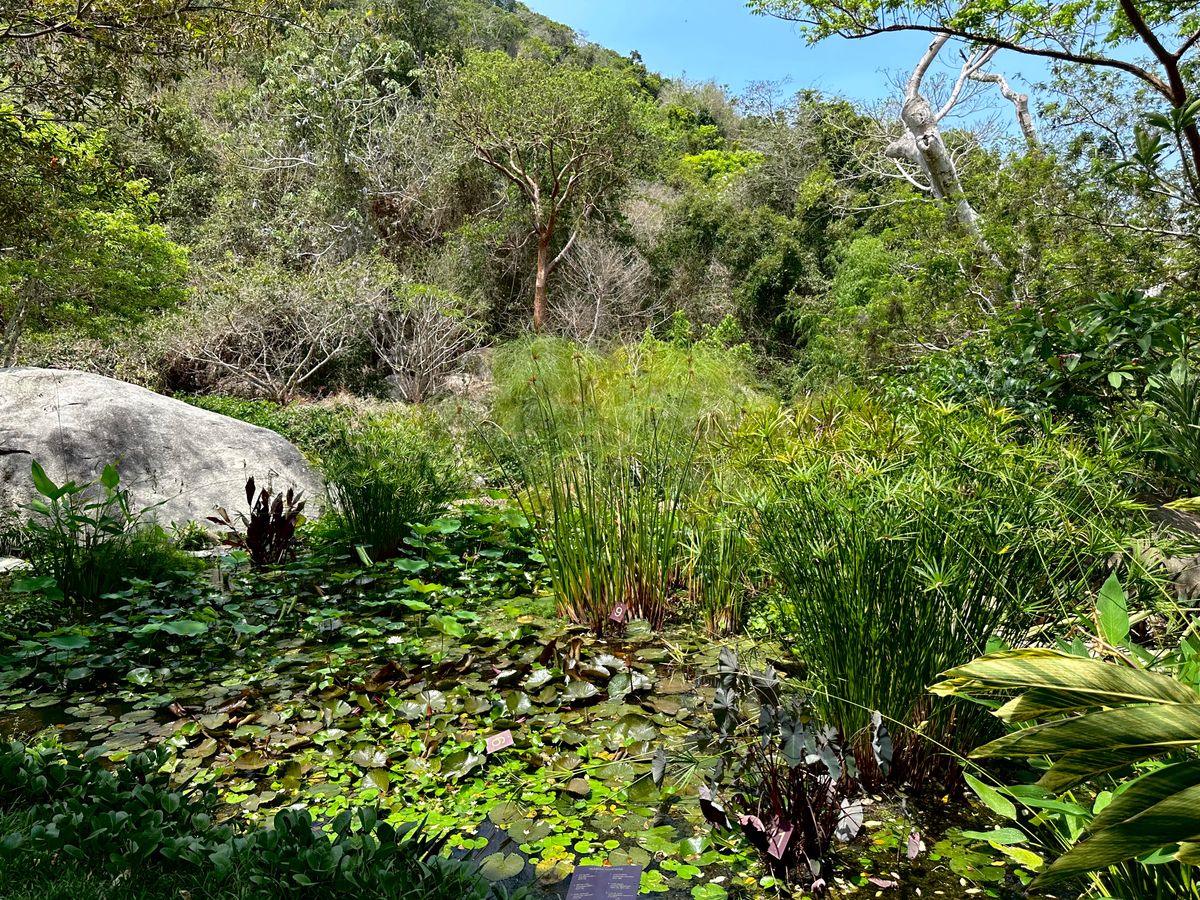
[10, 333]
[541, 284]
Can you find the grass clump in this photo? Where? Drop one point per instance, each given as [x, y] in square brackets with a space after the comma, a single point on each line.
[613, 459]
[385, 475]
[906, 544]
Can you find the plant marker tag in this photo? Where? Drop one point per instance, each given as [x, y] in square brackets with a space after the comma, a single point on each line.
[605, 883]
[498, 742]
[618, 614]
[779, 842]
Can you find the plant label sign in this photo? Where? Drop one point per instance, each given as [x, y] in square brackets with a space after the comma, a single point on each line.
[605, 883]
[618, 614]
[498, 742]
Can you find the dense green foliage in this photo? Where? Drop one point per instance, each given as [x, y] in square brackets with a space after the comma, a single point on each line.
[827, 401]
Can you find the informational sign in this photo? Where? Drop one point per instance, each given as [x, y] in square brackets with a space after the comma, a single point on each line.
[619, 613]
[499, 741]
[605, 883]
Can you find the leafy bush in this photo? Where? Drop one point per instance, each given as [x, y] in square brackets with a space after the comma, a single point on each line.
[385, 476]
[88, 541]
[1107, 349]
[691, 382]
[128, 817]
[1175, 403]
[907, 544]
[310, 426]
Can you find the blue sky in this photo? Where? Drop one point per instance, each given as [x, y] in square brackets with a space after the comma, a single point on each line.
[722, 41]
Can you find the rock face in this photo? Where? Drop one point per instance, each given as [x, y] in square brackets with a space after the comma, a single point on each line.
[182, 460]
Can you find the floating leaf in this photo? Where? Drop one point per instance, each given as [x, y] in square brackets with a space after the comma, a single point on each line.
[502, 866]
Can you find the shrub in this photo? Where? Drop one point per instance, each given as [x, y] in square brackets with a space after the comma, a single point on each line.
[907, 544]
[1175, 402]
[384, 476]
[263, 332]
[423, 335]
[88, 541]
[128, 817]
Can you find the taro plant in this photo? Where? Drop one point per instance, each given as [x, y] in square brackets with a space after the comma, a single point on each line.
[384, 478]
[790, 782]
[268, 534]
[85, 540]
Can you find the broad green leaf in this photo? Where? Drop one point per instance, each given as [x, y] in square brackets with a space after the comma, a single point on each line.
[43, 484]
[1005, 836]
[182, 627]
[1051, 670]
[110, 478]
[1151, 729]
[991, 797]
[1074, 768]
[502, 866]
[69, 641]
[1112, 612]
[1145, 792]
[1174, 820]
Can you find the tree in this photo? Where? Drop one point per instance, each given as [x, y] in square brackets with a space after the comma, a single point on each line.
[78, 247]
[68, 56]
[567, 139]
[1092, 33]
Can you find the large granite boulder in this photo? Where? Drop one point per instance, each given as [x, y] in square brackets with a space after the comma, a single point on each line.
[182, 460]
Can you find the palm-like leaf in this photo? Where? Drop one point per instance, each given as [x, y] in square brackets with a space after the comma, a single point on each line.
[1102, 717]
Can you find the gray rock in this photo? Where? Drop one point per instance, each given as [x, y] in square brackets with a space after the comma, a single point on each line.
[181, 460]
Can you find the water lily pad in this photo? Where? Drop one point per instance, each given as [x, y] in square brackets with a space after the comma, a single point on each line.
[553, 871]
[502, 866]
[250, 761]
[504, 814]
[581, 690]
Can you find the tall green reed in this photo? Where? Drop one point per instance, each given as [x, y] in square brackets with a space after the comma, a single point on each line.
[609, 509]
[903, 545]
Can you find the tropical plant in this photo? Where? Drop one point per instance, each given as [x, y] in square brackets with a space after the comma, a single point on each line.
[609, 511]
[268, 534]
[1094, 718]
[383, 478]
[789, 778]
[85, 540]
[720, 568]
[903, 545]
